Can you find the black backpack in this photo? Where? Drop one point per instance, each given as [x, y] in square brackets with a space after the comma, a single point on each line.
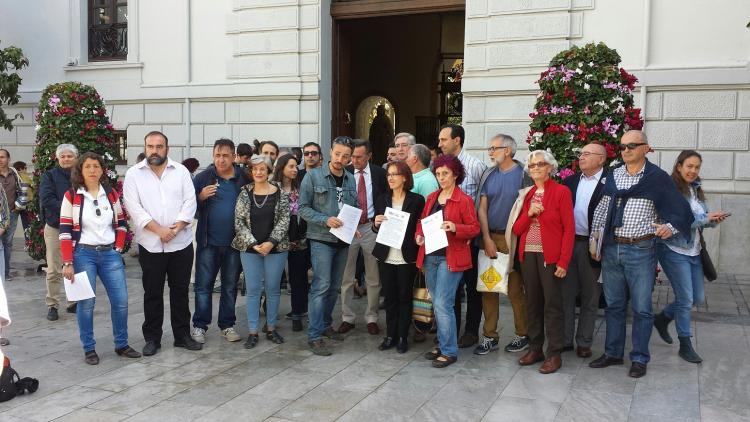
[11, 384]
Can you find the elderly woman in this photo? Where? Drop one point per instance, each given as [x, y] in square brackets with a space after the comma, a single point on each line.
[92, 235]
[52, 187]
[542, 224]
[261, 224]
[444, 267]
[680, 258]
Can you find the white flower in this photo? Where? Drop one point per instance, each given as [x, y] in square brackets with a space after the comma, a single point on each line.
[579, 71]
[591, 64]
[108, 156]
[586, 86]
[37, 128]
[94, 111]
[537, 136]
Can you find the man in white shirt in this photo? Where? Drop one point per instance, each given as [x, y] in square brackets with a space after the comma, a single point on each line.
[160, 197]
[583, 273]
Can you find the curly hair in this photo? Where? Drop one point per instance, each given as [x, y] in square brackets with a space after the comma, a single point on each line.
[452, 163]
[76, 176]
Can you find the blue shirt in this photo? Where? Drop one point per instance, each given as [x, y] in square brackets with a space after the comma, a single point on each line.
[501, 190]
[220, 208]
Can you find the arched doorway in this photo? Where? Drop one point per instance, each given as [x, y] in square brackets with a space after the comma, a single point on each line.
[366, 112]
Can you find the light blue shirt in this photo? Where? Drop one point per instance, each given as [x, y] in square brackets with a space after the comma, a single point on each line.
[585, 191]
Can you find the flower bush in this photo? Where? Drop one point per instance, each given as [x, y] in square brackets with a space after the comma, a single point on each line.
[585, 97]
[69, 113]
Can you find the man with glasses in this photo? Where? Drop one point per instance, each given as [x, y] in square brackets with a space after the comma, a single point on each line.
[402, 142]
[498, 190]
[640, 203]
[323, 193]
[312, 157]
[586, 187]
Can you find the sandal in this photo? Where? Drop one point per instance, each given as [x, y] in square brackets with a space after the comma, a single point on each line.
[433, 354]
[442, 361]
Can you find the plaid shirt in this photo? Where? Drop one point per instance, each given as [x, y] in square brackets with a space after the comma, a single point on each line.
[473, 169]
[639, 213]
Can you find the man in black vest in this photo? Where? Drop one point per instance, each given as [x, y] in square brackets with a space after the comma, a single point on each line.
[583, 273]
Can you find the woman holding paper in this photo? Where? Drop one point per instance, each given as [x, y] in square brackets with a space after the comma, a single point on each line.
[92, 236]
[542, 220]
[444, 266]
[261, 224]
[396, 264]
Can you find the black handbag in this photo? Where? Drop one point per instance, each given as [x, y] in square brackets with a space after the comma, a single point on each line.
[709, 271]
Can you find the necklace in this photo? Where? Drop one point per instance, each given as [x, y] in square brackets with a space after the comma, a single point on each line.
[265, 199]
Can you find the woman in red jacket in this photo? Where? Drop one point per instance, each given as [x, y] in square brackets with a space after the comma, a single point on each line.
[444, 267]
[546, 230]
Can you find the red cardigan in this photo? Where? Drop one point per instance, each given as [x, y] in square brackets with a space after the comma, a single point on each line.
[556, 223]
[459, 209]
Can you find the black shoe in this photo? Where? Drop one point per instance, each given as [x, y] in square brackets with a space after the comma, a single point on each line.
[128, 352]
[91, 358]
[151, 348]
[519, 343]
[388, 343]
[605, 361]
[71, 308]
[275, 337]
[296, 325]
[403, 345]
[252, 341]
[661, 323]
[487, 345]
[52, 314]
[568, 348]
[467, 340]
[188, 343]
[687, 352]
[637, 370]
[4, 341]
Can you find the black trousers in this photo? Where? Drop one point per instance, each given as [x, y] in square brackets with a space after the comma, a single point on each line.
[473, 299]
[544, 304]
[174, 268]
[299, 262]
[397, 286]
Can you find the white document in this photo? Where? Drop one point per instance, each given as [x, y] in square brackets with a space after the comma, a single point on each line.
[393, 229]
[350, 217]
[434, 235]
[80, 290]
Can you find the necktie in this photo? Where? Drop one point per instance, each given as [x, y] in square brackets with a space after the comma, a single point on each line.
[362, 197]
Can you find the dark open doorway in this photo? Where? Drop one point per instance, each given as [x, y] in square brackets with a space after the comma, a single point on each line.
[400, 61]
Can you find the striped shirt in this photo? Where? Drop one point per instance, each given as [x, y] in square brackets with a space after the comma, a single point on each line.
[473, 169]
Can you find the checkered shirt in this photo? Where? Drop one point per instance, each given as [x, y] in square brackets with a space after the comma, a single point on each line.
[473, 168]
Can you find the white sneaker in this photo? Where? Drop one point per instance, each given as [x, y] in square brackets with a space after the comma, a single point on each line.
[230, 334]
[198, 334]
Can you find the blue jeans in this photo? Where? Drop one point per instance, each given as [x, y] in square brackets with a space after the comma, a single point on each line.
[262, 271]
[685, 274]
[442, 285]
[629, 268]
[328, 264]
[208, 261]
[7, 239]
[109, 267]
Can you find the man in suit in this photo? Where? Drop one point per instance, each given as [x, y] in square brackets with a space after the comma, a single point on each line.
[583, 274]
[371, 182]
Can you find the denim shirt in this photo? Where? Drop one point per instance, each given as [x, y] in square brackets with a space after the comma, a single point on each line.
[685, 240]
[318, 202]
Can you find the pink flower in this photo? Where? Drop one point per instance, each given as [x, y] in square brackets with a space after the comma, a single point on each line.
[565, 173]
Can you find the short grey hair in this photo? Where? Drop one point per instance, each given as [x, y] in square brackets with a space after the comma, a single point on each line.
[422, 153]
[66, 148]
[507, 141]
[409, 138]
[546, 156]
[262, 159]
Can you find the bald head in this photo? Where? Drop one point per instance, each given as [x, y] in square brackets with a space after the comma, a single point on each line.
[592, 158]
[634, 135]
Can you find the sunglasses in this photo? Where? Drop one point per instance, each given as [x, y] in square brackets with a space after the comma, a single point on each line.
[309, 153]
[98, 211]
[537, 165]
[632, 146]
[588, 154]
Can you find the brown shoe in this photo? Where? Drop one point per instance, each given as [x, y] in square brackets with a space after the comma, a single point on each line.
[345, 327]
[583, 352]
[531, 357]
[373, 328]
[467, 340]
[551, 364]
[419, 336]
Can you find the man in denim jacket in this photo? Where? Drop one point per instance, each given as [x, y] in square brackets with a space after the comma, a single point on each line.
[323, 192]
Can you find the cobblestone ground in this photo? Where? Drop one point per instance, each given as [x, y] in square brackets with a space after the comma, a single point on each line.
[359, 383]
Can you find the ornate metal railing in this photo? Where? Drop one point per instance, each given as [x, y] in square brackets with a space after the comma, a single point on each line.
[108, 43]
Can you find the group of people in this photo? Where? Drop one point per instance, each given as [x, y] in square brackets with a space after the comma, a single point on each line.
[559, 238]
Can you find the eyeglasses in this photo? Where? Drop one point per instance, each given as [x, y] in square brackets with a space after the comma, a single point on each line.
[491, 150]
[537, 165]
[631, 146]
[393, 174]
[309, 153]
[402, 145]
[588, 154]
[98, 211]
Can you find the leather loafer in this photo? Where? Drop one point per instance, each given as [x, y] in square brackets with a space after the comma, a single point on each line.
[551, 364]
[91, 358]
[467, 340]
[637, 370]
[151, 348]
[52, 314]
[345, 327]
[531, 357]
[128, 352]
[188, 343]
[388, 343]
[373, 329]
[403, 345]
[583, 352]
[604, 361]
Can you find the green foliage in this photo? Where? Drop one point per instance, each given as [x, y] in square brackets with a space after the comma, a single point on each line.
[69, 113]
[11, 61]
[585, 97]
